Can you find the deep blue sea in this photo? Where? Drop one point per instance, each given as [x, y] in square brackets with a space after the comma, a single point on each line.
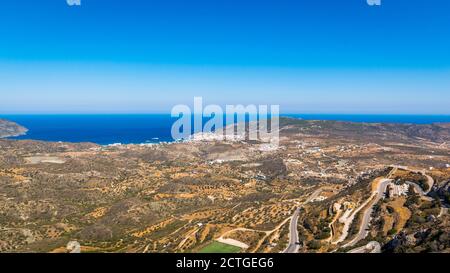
[153, 128]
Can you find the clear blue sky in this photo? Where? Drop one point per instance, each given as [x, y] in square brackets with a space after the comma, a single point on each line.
[316, 56]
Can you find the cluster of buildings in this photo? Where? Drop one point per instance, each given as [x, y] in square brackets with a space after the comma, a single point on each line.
[394, 190]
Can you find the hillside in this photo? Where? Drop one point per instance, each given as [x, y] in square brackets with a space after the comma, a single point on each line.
[10, 129]
[194, 196]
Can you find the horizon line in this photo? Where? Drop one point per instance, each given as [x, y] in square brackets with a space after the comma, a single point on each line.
[168, 113]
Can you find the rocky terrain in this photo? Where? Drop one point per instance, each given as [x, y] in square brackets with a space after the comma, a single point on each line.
[11, 129]
[358, 187]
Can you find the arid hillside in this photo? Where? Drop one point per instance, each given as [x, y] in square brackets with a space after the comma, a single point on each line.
[349, 184]
[9, 129]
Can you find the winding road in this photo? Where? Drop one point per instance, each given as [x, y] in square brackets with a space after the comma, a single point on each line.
[381, 189]
[376, 196]
[379, 193]
[430, 180]
[293, 245]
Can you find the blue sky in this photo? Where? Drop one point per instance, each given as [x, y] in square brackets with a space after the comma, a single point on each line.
[316, 56]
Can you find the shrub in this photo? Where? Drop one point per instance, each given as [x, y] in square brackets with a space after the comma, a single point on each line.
[314, 244]
[390, 209]
[392, 231]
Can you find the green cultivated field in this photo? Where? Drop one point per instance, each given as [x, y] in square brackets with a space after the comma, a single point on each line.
[216, 247]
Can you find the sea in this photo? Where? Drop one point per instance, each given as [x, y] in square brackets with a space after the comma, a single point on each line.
[155, 128]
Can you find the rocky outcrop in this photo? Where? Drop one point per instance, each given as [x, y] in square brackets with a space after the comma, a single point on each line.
[11, 129]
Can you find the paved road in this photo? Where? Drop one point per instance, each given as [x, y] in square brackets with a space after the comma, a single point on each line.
[420, 191]
[430, 180]
[368, 212]
[294, 246]
[380, 193]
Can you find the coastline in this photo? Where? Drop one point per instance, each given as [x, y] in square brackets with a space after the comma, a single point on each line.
[13, 135]
[149, 130]
[11, 129]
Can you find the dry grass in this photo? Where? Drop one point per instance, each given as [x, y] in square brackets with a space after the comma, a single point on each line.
[375, 183]
[402, 213]
[388, 223]
[97, 213]
[153, 228]
[248, 237]
[399, 217]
